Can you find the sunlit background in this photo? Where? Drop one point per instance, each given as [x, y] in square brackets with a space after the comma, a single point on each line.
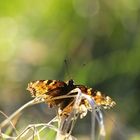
[100, 41]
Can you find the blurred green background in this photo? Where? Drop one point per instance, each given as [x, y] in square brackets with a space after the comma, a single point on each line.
[100, 39]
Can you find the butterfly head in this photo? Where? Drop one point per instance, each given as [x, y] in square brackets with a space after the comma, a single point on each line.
[70, 82]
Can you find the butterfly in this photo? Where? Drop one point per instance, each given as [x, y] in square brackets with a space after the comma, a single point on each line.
[59, 93]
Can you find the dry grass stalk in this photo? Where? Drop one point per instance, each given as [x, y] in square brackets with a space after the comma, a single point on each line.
[65, 123]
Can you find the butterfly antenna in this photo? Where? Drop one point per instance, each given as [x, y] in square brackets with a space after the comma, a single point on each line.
[67, 69]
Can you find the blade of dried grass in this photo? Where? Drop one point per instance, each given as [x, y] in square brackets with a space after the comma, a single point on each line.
[66, 124]
[4, 136]
[47, 126]
[32, 102]
[96, 114]
[13, 127]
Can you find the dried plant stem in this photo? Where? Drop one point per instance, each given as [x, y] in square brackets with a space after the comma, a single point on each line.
[66, 124]
[35, 131]
[32, 102]
[4, 136]
[93, 125]
[13, 127]
[96, 113]
[48, 125]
